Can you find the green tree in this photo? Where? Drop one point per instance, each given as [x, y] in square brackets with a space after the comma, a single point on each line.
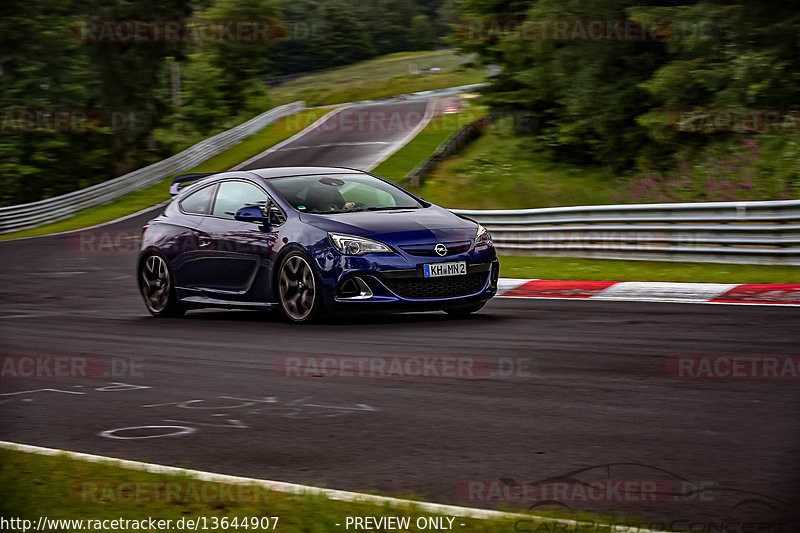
[127, 76]
[41, 70]
[422, 35]
[239, 62]
[389, 24]
[343, 37]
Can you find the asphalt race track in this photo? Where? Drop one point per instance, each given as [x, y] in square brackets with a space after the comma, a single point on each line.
[574, 385]
[354, 137]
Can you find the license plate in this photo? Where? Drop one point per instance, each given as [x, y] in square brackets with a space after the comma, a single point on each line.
[436, 270]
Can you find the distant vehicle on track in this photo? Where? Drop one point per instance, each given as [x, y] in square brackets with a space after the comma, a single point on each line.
[309, 240]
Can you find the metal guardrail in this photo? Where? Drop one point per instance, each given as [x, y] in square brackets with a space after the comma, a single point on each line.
[715, 232]
[726, 232]
[34, 214]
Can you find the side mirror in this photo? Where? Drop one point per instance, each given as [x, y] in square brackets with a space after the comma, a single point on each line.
[251, 213]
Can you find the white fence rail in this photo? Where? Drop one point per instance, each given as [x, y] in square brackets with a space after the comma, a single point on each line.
[34, 214]
[716, 232]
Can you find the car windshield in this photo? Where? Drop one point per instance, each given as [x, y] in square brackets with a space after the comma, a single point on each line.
[342, 193]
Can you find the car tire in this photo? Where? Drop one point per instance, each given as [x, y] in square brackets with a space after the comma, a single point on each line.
[465, 309]
[299, 289]
[157, 287]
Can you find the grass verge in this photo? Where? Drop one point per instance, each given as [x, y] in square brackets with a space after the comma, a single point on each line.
[568, 268]
[384, 76]
[375, 78]
[58, 487]
[490, 174]
[159, 192]
[421, 147]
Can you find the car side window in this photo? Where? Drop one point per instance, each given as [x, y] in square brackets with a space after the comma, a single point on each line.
[233, 195]
[198, 203]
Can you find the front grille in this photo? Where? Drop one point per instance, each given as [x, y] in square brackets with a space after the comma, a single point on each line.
[433, 288]
[429, 250]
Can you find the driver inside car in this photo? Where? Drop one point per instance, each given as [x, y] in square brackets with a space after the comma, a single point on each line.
[327, 198]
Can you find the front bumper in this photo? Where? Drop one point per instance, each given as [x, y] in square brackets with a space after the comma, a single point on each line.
[409, 288]
[397, 279]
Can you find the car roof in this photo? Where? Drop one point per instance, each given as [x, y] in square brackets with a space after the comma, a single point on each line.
[282, 172]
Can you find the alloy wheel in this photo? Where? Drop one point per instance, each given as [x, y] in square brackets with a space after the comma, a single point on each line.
[297, 288]
[156, 284]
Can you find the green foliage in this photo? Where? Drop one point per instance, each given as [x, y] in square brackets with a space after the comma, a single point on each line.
[159, 192]
[346, 37]
[500, 171]
[236, 63]
[60, 487]
[422, 35]
[568, 268]
[614, 103]
[33, 160]
[378, 78]
[47, 64]
[202, 93]
[424, 145]
[46, 68]
[322, 34]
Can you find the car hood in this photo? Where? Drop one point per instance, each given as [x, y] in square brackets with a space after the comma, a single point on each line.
[403, 226]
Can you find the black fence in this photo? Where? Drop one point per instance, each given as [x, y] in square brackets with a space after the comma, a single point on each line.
[463, 136]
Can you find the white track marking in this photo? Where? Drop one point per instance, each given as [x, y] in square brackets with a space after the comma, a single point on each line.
[293, 138]
[509, 284]
[295, 488]
[640, 291]
[665, 292]
[333, 145]
[426, 118]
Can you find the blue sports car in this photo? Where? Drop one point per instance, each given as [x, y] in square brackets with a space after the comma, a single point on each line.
[311, 240]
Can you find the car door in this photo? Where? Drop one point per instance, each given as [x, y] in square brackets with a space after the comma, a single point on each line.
[191, 242]
[238, 251]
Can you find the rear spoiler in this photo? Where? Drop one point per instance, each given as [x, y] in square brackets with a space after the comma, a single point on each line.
[183, 180]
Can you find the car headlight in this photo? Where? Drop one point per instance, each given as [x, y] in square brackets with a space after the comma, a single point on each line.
[352, 245]
[483, 238]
